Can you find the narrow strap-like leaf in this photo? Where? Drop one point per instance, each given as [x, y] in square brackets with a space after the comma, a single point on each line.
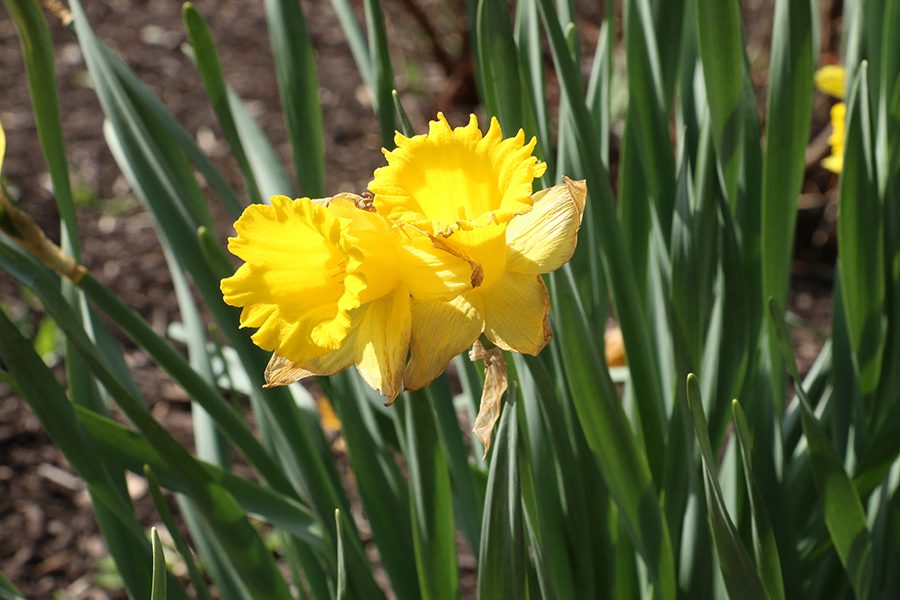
[766, 550]
[498, 63]
[341, 592]
[207, 58]
[381, 484]
[788, 111]
[620, 457]
[162, 509]
[861, 237]
[431, 506]
[721, 44]
[501, 556]
[158, 589]
[298, 85]
[842, 506]
[623, 286]
[381, 81]
[738, 570]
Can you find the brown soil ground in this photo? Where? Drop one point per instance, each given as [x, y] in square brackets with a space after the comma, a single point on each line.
[48, 539]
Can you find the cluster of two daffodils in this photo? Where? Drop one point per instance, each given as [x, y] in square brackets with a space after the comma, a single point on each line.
[449, 245]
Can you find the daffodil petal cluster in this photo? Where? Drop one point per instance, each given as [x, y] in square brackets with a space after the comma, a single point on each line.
[830, 80]
[327, 284]
[477, 198]
[452, 245]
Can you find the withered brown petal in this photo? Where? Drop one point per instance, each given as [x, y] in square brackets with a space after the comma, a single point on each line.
[281, 371]
[495, 383]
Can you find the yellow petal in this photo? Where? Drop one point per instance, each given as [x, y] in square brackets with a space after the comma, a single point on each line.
[542, 240]
[432, 270]
[393, 255]
[485, 246]
[516, 312]
[456, 177]
[378, 343]
[440, 331]
[830, 80]
[382, 343]
[294, 286]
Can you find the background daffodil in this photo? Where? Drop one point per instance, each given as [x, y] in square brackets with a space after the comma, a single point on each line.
[834, 162]
[830, 80]
[328, 285]
[2, 145]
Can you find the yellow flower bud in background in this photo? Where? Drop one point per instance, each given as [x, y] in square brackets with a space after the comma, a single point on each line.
[830, 80]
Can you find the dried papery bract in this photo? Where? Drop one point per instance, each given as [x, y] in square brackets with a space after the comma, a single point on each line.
[19, 226]
[496, 381]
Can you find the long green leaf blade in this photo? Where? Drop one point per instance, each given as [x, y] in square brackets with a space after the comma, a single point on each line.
[381, 80]
[132, 451]
[498, 63]
[383, 490]
[341, 593]
[861, 238]
[622, 284]
[158, 588]
[467, 500]
[46, 397]
[502, 554]
[619, 456]
[722, 56]
[431, 506]
[789, 107]
[207, 58]
[843, 509]
[168, 519]
[298, 85]
[738, 570]
[37, 50]
[764, 544]
[647, 111]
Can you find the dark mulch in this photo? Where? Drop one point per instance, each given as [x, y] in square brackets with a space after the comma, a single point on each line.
[48, 538]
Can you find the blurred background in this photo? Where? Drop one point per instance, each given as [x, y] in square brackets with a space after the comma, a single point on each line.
[49, 542]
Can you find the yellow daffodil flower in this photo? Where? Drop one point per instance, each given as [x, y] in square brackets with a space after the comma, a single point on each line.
[2, 145]
[834, 162]
[474, 193]
[328, 284]
[830, 80]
